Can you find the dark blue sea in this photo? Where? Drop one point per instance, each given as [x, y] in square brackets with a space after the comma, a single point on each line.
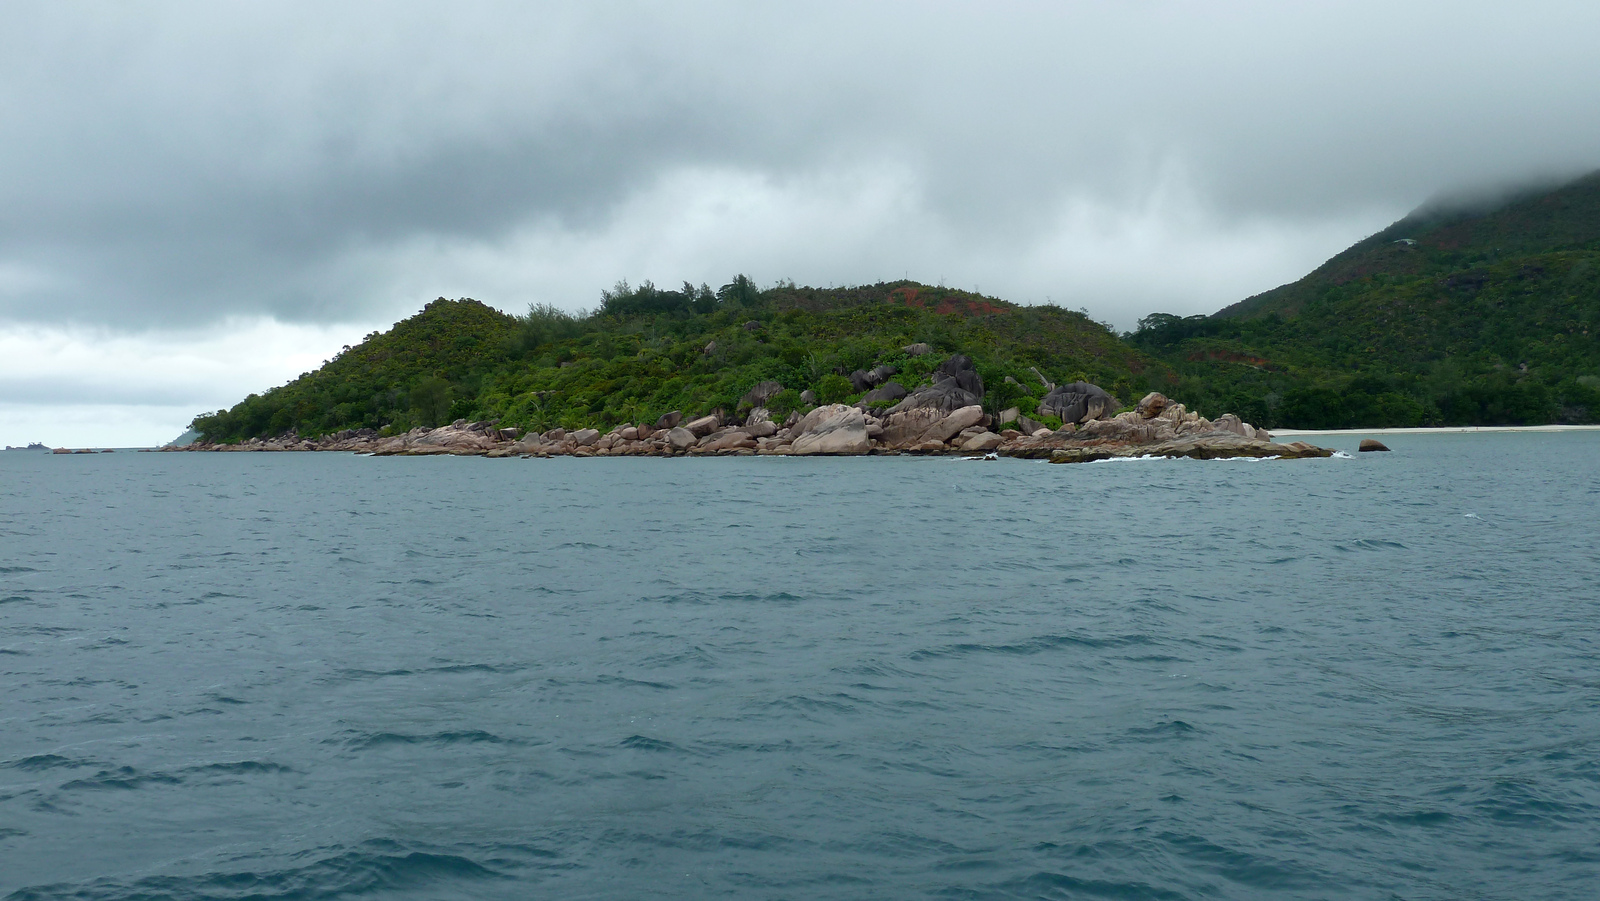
[320, 676]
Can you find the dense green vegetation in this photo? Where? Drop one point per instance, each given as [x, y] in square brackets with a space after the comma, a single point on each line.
[1444, 318]
[1488, 316]
[646, 351]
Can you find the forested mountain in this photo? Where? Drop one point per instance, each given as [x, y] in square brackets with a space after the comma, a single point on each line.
[1449, 316]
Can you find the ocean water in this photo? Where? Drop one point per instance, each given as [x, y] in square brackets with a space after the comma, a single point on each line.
[317, 676]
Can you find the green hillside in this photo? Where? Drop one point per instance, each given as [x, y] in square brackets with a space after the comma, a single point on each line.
[647, 351]
[1446, 317]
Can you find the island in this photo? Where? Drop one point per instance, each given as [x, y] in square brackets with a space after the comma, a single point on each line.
[944, 417]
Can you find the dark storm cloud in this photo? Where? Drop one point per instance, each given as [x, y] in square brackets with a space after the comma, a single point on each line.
[179, 164]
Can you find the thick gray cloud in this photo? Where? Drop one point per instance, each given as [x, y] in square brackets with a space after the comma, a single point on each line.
[167, 167]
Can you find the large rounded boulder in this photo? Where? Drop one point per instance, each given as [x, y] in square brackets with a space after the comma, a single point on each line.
[1078, 402]
[831, 429]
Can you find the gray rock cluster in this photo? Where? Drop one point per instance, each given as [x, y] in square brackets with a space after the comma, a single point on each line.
[945, 417]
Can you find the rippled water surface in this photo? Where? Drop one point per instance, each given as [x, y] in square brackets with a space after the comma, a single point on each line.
[317, 676]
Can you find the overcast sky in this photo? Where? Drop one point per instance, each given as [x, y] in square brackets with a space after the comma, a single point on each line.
[202, 200]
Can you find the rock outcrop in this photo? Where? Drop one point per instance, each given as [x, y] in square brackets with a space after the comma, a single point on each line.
[1156, 427]
[760, 394]
[1077, 402]
[833, 429]
[889, 391]
[1369, 445]
[960, 368]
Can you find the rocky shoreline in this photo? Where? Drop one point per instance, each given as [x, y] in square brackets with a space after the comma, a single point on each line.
[1157, 427]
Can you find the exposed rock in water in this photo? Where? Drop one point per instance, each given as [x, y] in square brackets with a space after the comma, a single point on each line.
[1172, 431]
[1208, 447]
[983, 441]
[1372, 444]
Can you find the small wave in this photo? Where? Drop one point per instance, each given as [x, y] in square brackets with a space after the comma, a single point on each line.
[638, 683]
[1032, 646]
[464, 737]
[1170, 729]
[353, 675]
[379, 869]
[122, 778]
[239, 768]
[781, 597]
[838, 703]
[1371, 544]
[1416, 818]
[1247, 869]
[40, 762]
[644, 743]
[17, 569]
[1060, 885]
[15, 599]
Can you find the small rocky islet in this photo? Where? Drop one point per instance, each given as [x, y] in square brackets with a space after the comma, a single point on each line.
[943, 418]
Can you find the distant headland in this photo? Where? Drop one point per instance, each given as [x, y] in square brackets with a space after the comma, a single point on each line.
[1446, 318]
[943, 417]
